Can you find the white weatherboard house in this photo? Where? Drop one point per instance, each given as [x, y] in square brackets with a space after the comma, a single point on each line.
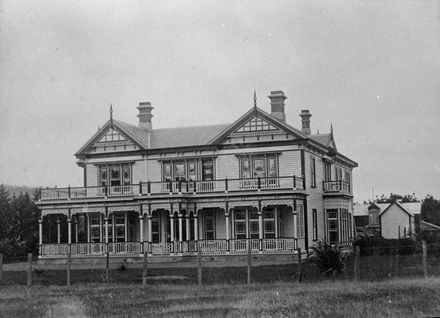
[395, 220]
[256, 183]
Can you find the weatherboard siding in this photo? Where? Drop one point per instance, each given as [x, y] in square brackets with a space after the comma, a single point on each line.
[394, 217]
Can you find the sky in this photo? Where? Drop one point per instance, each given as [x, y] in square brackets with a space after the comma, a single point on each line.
[369, 68]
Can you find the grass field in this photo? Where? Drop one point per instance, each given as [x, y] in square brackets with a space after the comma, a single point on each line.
[394, 298]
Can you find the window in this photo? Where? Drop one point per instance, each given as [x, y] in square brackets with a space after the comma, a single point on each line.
[315, 224]
[240, 225]
[347, 179]
[207, 169]
[184, 170]
[254, 229]
[192, 171]
[179, 171]
[328, 171]
[338, 173]
[209, 225]
[300, 221]
[269, 224]
[115, 174]
[313, 171]
[332, 225]
[120, 227]
[259, 170]
[258, 166]
[155, 227]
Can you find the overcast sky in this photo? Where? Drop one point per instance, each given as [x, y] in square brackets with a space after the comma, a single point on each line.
[372, 68]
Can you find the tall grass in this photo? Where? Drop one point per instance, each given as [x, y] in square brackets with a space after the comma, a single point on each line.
[394, 298]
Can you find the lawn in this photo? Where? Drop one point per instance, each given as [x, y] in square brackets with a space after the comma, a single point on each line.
[393, 298]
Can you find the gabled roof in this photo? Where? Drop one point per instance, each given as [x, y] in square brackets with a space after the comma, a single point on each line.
[125, 129]
[412, 208]
[255, 111]
[184, 136]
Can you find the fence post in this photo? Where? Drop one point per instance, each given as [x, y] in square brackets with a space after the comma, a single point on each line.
[397, 258]
[145, 269]
[107, 265]
[29, 270]
[357, 263]
[68, 268]
[1, 267]
[199, 265]
[249, 262]
[299, 265]
[425, 264]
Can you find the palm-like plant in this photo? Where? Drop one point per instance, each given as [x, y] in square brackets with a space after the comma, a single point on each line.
[328, 259]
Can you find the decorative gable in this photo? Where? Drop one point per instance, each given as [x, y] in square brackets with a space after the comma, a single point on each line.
[256, 124]
[112, 136]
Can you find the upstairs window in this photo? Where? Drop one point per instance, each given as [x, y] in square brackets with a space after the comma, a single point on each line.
[328, 171]
[188, 170]
[115, 174]
[313, 171]
[262, 166]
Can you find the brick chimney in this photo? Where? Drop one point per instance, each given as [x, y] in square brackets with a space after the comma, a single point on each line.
[277, 105]
[145, 115]
[305, 121]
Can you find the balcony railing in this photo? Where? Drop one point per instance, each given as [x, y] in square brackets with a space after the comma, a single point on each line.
[207, 247]
[339, 186]
[173, 187]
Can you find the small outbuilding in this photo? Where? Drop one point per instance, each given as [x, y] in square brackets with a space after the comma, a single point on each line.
[392, 220]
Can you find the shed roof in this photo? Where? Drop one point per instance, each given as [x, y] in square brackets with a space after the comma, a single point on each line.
[411, 207]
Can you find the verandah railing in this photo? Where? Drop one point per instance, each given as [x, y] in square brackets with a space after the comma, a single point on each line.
[207, 247]
[166, 187]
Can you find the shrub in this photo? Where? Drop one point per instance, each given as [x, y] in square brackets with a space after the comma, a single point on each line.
[328, 259]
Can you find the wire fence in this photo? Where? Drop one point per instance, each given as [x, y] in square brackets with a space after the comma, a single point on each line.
[361, 263]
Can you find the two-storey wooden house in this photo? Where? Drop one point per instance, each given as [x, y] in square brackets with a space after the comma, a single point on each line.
[256, 183]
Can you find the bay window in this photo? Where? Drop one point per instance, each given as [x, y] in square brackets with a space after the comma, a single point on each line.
[115, 174]
[258, 166]
[188, 170]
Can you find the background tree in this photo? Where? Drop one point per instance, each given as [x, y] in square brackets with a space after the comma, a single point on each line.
[431, 210]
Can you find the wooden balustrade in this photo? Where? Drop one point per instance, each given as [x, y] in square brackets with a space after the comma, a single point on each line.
[175, 187]
[207, 247]
[339, 186]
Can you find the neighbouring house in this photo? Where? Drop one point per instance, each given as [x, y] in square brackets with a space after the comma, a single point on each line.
[256, 183]
[390, 220]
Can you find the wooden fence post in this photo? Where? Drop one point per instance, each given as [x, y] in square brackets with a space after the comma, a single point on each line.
[299, 265]
[357, 263]
[145, 269]
[107, 265]
[69, 262]
[249, 262]
[29, 270]
[199, 265]
[397, 259]
[425, 263]
[1, 267]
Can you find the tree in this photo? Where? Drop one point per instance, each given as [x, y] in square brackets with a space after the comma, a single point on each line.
[393, 197]
[431, 210]
[5, 210]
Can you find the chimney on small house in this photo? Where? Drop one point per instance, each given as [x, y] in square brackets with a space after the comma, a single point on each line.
[277, 105]
[145, 115]
[305, 121]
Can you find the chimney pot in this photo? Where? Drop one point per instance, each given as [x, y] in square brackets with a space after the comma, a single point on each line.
[277, 99]
[145, 115]
[305, 121]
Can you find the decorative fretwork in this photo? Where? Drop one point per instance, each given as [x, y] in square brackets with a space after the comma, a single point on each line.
[112, 136]
[202, 205]
[233, 204]
[159, 206]
[256, 124]
[88, 209]
[124, 209]
[55, 211]
[287, 202]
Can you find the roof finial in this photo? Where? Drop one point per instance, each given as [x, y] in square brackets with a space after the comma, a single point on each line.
[331, 129]
[111, 115]
[255, 101]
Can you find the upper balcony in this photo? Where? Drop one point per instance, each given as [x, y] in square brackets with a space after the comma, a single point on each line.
[336, 187]
[174, 187]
